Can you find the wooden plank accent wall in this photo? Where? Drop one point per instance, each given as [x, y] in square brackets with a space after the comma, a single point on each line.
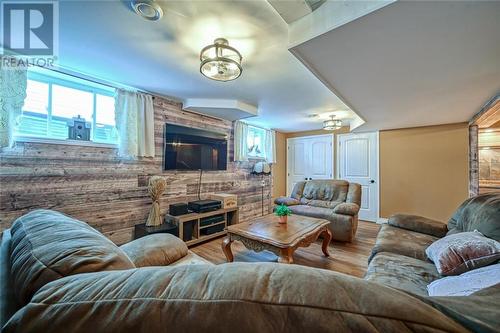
[110, 193]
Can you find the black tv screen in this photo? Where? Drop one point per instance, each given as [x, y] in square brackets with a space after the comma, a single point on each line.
[194, 149]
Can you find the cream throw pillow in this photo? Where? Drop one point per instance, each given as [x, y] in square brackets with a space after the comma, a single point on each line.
[462, 252]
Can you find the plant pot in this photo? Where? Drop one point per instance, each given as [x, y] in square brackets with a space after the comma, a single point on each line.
[283, 219]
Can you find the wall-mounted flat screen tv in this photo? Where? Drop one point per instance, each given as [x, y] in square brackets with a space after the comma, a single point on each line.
[194, 149]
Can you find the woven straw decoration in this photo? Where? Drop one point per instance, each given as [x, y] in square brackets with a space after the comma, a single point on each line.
[156, 188]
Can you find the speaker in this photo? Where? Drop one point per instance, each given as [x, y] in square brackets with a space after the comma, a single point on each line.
[79, 129]
[178, 209]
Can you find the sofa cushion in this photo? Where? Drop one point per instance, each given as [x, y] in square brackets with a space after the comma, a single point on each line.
[320, 203]
[236, 297]
[481, 213]
[477, 312]
[343, 227]
[466, 283]
[297, 190]
[155, 250]
[398, 271]
[287, 201]
[8, 300]
[347, 209]
[190, 258]
[48, 245]
[311, 211]
[326, 190]
[419, 224]
[402, 241]
[458, 253]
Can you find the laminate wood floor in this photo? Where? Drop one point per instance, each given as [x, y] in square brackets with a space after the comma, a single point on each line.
[348, 258]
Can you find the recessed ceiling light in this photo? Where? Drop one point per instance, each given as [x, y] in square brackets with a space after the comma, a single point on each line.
[147, 9]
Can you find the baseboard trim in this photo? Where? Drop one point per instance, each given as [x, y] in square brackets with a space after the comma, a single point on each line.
[382, 220]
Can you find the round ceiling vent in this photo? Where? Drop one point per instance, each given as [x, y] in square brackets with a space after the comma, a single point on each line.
[147, 9]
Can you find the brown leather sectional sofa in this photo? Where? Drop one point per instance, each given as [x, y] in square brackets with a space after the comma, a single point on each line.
[60, 275]
[398, 258]
[337, 201]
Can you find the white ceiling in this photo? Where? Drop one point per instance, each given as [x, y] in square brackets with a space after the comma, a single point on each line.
[107, 40]
[412, 63]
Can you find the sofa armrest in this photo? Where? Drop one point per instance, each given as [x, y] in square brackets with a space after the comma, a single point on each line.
[155, 250]
[419, 224]
[346, 209]
[287, 201]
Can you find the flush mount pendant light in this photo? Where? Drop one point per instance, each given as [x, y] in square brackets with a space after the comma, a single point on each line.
[147, 9]
[220, 61]
[332, 124]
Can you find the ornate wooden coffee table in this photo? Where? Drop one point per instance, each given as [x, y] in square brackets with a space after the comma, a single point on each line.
[265, 233]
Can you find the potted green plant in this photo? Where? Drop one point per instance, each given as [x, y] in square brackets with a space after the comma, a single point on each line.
[283, 212]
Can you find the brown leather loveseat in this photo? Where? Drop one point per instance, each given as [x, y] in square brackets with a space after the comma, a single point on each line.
[337, 201]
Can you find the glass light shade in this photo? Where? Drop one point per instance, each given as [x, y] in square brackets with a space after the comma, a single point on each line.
[147, 9]
[332, 124]
[220, 61]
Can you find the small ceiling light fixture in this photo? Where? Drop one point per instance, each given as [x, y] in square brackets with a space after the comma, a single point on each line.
[147, 9]
[220, 61]
[332, 124]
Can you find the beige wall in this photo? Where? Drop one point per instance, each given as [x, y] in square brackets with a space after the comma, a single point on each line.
[279, 168]
[424, 170]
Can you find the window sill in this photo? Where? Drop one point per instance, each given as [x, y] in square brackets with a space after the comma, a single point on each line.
[256, 158]
[68, 142]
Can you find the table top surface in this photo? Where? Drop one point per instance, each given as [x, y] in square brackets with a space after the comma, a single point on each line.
[267, 229]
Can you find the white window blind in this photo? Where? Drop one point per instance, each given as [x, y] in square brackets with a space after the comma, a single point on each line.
[53, 99]
[255, 142]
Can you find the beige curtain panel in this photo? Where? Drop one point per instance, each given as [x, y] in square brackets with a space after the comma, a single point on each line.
[240, 141]
[134, 115]
[13, 83]
[270, 146]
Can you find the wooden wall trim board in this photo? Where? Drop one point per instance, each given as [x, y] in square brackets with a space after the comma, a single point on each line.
[473, 161]
[110, 193]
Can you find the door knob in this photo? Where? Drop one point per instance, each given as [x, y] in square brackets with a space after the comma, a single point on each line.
[372, 181]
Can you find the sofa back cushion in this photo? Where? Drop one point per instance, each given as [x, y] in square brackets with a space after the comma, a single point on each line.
[298, 190]
[48, 245]
[236, 297]
[481, 213]
[326, 190]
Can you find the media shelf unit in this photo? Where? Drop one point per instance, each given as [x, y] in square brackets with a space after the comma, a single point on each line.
[192, 221]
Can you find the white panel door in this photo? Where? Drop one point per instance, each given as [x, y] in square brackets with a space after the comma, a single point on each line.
[296, 163]
[358, 162]
[321, 157]
[309, 158]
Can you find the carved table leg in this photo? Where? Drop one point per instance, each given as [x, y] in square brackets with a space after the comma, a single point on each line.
[286, 256]
[327, 237]
[226, 248]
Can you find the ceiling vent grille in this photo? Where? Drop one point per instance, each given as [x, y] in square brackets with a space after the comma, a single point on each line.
[292, 10]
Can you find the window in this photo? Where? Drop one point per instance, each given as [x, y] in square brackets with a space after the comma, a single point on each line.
[255, 142]
[54, 99]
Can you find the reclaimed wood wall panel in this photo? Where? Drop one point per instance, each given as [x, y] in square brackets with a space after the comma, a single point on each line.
[94, 185]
